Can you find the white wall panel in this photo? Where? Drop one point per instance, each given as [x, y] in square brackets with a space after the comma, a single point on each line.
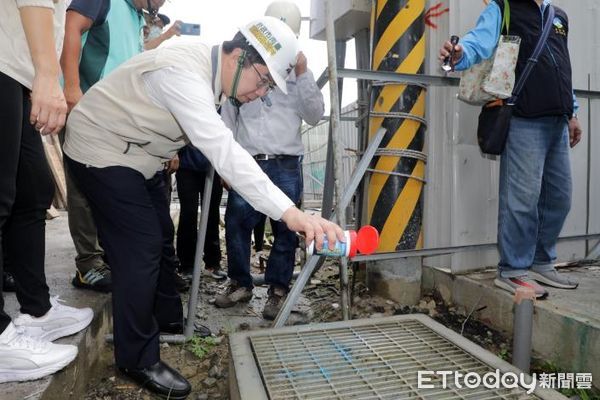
[463, 208]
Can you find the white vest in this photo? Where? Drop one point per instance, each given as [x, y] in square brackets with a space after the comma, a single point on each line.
[117, 124]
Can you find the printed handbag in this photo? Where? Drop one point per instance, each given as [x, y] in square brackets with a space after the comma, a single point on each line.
[493, 78]
[495, 116]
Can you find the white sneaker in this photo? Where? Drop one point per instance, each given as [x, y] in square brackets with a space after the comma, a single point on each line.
[23, 358]
[58, 322]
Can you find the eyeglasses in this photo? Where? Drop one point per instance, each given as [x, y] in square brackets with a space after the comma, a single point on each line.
[264, 80]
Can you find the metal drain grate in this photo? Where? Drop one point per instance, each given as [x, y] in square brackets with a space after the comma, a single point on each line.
[368, 359]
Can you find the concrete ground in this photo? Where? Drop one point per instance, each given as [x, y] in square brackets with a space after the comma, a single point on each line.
[566, 325]
[60, 269]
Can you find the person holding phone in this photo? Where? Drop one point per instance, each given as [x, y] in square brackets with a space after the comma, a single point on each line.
[154, 33]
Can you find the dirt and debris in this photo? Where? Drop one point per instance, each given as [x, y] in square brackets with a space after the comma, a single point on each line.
[204, 362]
[207, 374]
[324, 297]
[205, 365]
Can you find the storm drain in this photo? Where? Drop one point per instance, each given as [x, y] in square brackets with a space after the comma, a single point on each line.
[363, 359]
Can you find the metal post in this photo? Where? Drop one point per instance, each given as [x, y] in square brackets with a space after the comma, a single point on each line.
[522, 328]
[328, 184]
[313, 261]
[328, 187]
[361, 40]
[336, 145]
[395, 200]
[395, 194]
[193, 301]
[294, 294]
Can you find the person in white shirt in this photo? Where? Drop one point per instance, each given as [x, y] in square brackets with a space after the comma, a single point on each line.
[269, 129]
[118, 137]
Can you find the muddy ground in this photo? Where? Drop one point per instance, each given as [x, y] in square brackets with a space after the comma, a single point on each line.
[205, 362]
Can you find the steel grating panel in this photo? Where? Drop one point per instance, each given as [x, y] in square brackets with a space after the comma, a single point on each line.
[373, 361]
[362, 359]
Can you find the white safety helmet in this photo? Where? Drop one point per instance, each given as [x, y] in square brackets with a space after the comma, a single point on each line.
[276, 44]
[286, 11]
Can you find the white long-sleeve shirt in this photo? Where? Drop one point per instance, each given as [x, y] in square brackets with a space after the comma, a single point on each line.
[147, 109]
[275, 129]
[207, 132]
[15, 58]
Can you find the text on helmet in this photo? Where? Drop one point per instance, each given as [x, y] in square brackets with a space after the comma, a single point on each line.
[265, 38]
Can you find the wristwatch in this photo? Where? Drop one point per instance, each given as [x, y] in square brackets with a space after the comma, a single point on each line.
[574, 116]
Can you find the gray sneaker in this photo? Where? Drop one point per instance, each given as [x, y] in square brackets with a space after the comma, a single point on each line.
[512, 284]
[554, 279]
[233, 294]
[217, 273]
[274, 302]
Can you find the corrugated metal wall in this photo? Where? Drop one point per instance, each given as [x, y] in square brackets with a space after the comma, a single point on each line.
[315, 153]
[461, 195]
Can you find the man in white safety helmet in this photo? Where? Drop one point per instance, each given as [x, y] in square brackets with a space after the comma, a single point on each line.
[118, 137]
[269, 129]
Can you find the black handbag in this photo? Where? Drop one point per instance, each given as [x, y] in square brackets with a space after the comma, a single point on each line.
[493, 127]
[495, 116]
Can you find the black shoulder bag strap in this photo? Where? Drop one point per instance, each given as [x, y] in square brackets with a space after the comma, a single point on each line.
[532, 61]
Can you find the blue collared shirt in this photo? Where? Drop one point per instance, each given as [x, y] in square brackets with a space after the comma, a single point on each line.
[480, 42]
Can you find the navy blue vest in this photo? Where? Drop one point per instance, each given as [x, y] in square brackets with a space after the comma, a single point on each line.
[549, 89]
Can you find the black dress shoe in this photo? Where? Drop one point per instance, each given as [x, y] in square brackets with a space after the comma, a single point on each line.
[161, 380]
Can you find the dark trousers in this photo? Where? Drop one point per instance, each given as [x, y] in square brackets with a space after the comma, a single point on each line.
[241, 218]
[259, 234]
[190, 185]
[26, 192]
[135, 227]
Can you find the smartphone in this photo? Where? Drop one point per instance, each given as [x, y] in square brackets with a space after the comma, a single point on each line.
[189, 29]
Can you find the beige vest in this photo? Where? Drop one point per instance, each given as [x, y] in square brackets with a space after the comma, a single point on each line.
[117, 124]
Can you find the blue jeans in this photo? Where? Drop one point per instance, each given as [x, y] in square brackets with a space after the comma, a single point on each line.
[241, 218]
[535, 193]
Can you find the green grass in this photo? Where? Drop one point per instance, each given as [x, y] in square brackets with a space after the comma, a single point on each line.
[503, 354]
[200, 346]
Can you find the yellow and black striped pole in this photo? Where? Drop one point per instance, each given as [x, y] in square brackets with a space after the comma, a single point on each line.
[398, 168]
